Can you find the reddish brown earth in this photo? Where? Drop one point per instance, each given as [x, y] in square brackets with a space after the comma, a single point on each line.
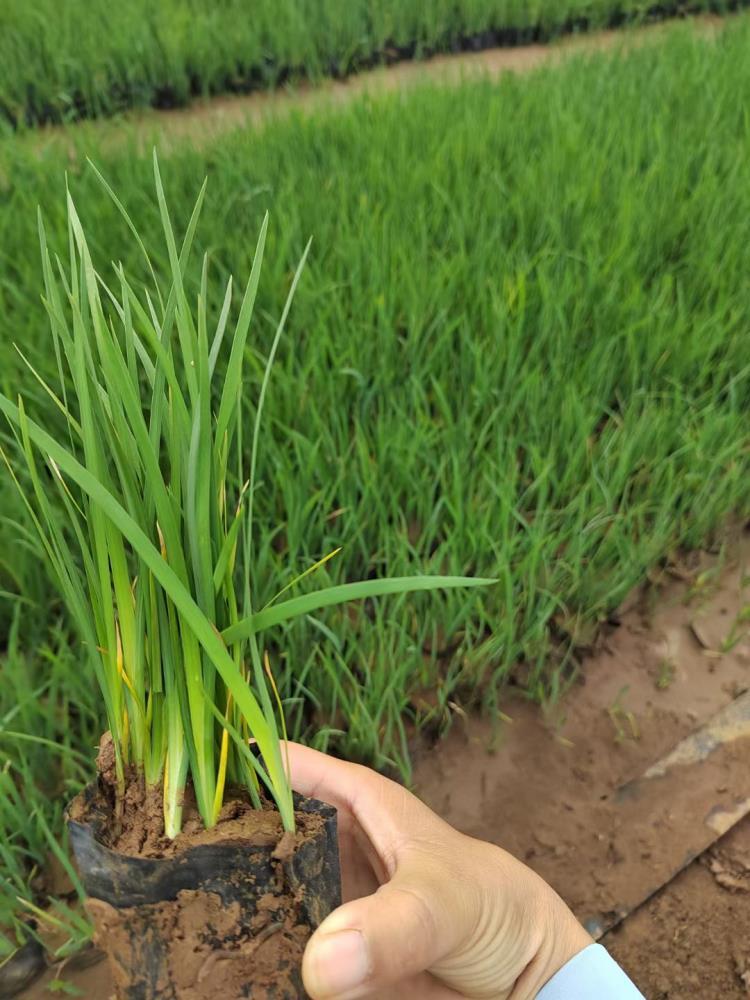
[692, 940]
[545, 786]
[243, 897]
[264, 965]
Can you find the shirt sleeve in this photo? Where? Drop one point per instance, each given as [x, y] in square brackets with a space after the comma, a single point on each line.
[590, 975]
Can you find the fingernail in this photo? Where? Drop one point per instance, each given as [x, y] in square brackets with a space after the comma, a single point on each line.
[336, 964]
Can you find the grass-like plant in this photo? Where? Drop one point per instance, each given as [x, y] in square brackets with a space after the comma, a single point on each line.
[145, 511]
[142, 53]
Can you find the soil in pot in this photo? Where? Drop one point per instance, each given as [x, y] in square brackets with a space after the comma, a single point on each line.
[222, 912]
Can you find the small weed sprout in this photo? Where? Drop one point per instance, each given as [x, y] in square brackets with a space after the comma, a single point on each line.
[624, 721]
[665, 675]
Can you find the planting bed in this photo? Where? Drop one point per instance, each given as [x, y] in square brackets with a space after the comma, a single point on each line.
[207, 119]
[89, 59]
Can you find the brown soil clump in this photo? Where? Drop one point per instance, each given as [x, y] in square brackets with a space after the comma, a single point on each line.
[137, 826]
[212, 950]
[220, 912]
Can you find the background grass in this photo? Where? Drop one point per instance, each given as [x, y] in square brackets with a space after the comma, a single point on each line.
[90, 57]
[519, 350]
[50, 721]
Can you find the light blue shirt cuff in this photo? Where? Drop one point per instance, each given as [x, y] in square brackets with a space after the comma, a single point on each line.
[590, 975]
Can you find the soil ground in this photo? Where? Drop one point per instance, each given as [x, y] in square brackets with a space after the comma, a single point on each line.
[692, 940]
[546, 785]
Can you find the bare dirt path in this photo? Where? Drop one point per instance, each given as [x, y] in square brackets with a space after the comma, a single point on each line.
[546, 785]
[692, 940]
[205, 120]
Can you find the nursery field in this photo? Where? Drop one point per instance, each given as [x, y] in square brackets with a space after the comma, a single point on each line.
[60, 62]
[518, 350]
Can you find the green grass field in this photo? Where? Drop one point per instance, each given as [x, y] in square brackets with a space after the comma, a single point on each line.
[518, 350]
[63, 61]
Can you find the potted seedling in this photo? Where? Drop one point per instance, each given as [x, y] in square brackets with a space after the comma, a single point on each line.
[206, 876]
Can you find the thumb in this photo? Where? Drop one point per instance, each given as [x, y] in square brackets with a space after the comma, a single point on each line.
[378, 941]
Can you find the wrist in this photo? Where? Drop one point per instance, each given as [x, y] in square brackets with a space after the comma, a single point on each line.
[558, 938]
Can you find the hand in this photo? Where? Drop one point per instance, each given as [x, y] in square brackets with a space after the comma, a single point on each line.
[429, 914]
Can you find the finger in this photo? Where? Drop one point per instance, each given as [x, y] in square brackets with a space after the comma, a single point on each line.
[375, 943]
[362, 871]
[424, 987]
[319, 776]
[387, 814]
